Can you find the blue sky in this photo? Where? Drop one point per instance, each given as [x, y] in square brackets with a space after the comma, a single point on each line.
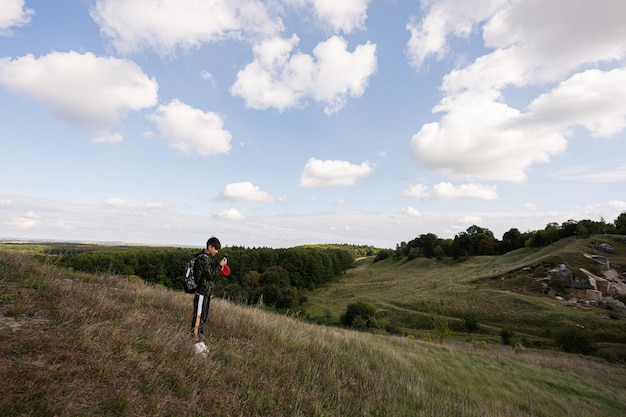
[285, 122]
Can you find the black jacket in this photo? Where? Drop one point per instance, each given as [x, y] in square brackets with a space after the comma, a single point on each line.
[205, 270]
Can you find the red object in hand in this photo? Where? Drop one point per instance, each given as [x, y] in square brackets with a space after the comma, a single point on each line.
[225, 271]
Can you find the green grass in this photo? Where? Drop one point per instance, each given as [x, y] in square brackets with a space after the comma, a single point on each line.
[493, 288]
[82, 344]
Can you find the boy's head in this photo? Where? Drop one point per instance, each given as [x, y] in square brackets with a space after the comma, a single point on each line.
[215, 242]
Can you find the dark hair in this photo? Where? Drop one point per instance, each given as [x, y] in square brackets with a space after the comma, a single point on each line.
[215, 242]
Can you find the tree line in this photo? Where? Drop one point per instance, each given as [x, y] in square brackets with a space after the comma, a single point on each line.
[276, 277]
[478, 241]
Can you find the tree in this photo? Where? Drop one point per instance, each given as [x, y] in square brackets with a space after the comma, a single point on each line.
[552, 233]
[511, 240]
[486, 246]
[568, 228]
[428, 243]
[481, 240]
[581, 230]
[460, 247]
[620, 223]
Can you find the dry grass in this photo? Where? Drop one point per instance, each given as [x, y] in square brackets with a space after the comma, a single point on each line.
[104, 345]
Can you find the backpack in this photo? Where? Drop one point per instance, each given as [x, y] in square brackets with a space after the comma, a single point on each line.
[189, 280]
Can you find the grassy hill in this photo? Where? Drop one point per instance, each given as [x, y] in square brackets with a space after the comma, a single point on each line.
[74, 344]
[501, 292]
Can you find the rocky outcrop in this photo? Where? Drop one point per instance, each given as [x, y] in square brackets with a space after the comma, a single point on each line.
[599, 291]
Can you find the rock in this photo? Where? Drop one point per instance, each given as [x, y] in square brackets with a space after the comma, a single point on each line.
[617, 306]
[593, 295]
[602, 285]
[565, 274]
[606, 247]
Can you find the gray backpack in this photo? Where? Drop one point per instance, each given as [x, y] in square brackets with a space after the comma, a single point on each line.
[189, 280]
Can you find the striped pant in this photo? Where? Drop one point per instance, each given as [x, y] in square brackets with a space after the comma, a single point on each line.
[200, 314]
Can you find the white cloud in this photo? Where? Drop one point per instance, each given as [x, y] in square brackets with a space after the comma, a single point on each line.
[27, 221]
[345, 16]
[336, 16]
[13, 13]
[469, 220]
[333, 173]
[458, 17]
[163, 26]
[150, 205]
[107, 137]
[412, 212]
[479, 135]
[601, 174]
[191, 131]
[531, 206]
[136, 25]
[551, 39]
[417, 191]
[593, 99]
[90, 92]
[449, 191]
[207, 76]
[50, 219]
[246, 191]
[280, 79]
[276, 78]
[232, 214]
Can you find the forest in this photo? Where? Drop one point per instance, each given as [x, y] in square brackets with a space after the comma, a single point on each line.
[280, 276]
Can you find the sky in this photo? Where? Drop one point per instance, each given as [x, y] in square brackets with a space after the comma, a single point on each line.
[279, 123]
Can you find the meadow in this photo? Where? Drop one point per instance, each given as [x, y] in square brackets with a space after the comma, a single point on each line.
[500, 292]
[78, 344]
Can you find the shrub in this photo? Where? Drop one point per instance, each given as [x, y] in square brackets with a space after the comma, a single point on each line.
[470, 322]
[382, 255]
[574, 340]
[506, 335]
[608, 354]
[558, 285]
[359, 315]
[440, 327]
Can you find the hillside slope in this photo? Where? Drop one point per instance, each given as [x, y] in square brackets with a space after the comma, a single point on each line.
[78, 344]
[502, 292]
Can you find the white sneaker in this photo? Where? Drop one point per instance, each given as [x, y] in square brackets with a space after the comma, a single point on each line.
[200, 347]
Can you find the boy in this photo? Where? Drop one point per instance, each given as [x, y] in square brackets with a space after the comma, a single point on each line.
[206, 269]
